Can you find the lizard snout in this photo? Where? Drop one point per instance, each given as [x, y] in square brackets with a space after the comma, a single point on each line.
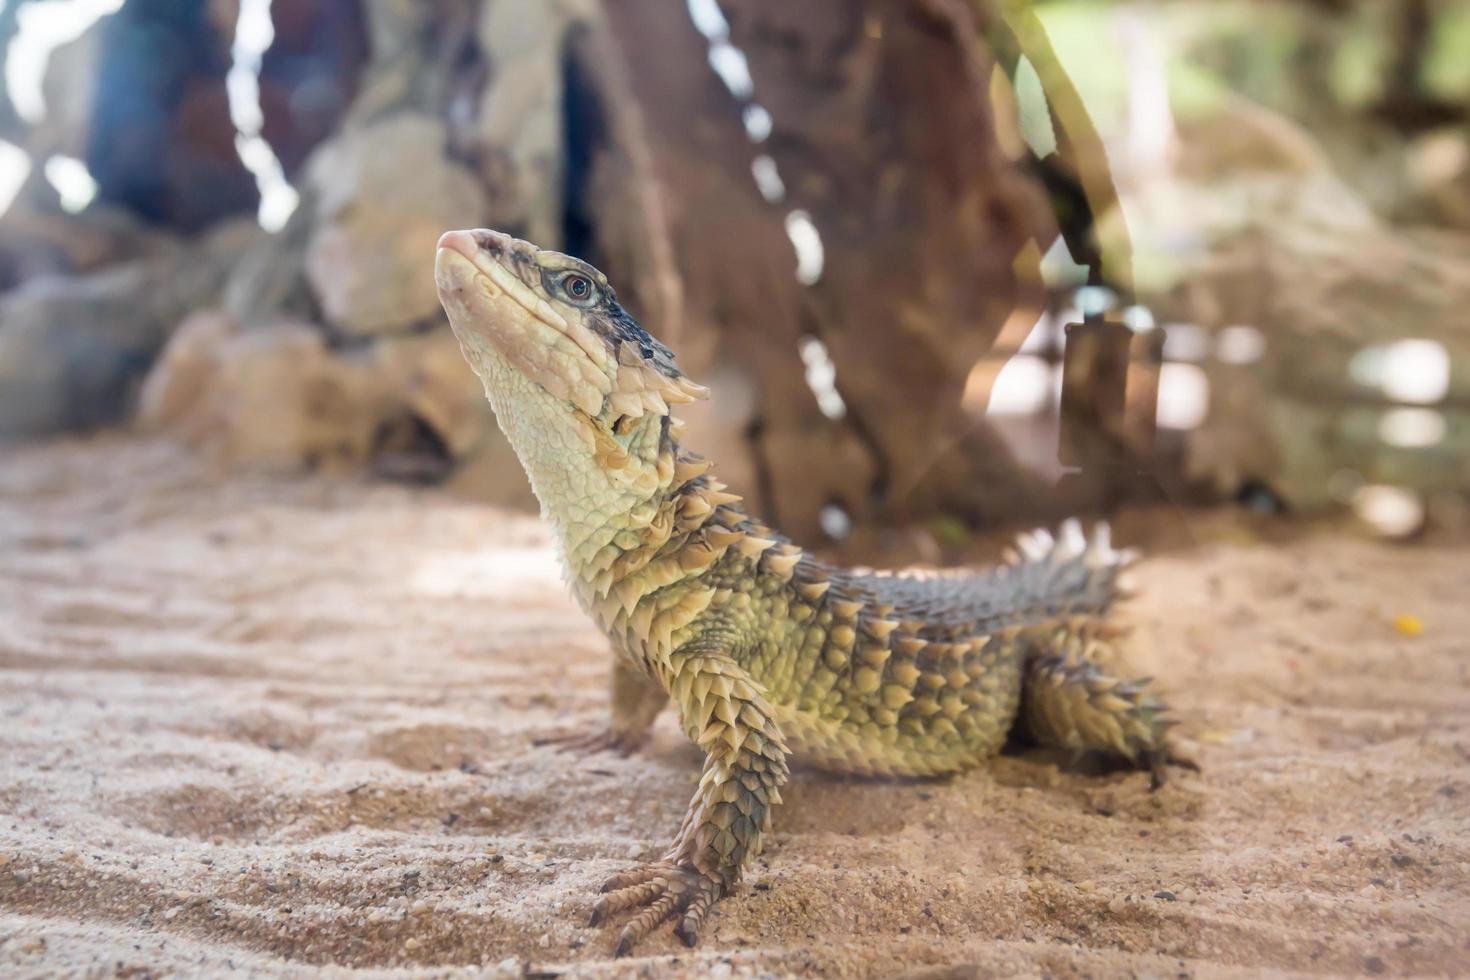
[472, 242]
[462, 242]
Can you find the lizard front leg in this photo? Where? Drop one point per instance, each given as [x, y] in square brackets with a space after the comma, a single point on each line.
[636, 700]
[724, 712]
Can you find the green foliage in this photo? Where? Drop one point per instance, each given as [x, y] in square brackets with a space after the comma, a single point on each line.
[1447, 65]
[1362, 60]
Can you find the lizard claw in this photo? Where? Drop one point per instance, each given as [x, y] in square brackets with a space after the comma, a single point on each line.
[1159, 760]
[664, 891]
[688, 928]
[600, 740]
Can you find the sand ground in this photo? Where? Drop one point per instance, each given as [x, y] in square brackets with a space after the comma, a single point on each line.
[284, 727]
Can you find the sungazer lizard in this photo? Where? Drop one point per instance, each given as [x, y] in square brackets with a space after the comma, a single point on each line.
[764, 650]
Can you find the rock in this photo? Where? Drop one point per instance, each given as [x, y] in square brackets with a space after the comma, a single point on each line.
[186, 372]
[73, 350]
[269, 282]
[384, 194]
[273, 399]
[279, 398]
[428, 373]
[38, 239]
[1299, 297]
[58, 371]
[521, 119]
[1332, 306]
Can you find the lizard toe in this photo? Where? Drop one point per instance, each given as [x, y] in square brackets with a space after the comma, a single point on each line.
[640, 875]
[698, 907]
[663, 891]
[600, 740]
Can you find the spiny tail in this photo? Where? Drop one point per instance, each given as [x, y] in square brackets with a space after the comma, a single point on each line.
[1072, 697]
[1068, 572]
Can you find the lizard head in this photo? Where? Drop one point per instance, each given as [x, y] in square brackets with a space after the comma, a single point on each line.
[556, 319]
[557, 354]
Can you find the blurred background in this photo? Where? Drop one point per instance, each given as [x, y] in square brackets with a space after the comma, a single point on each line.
[281, 635]
[944, 263]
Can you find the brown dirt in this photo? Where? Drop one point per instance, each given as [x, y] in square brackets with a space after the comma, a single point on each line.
[284, 727]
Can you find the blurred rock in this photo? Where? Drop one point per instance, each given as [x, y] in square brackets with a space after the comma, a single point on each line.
[38, 239]
[428, 373]
[1327, 301]
[1239, 166]
[278, 398]
[438, 425]
[185, 372]
[1249, 240]
[274, 398]
[1312, 410]
[73, 350]
[521, 118]
[1439, 165]
[310, 73]
[384, 194]
[160, 140]
[269, 283]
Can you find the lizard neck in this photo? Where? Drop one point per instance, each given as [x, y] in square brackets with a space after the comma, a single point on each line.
[598, 494]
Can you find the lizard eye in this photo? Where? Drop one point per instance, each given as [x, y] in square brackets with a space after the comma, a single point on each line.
[579, 288]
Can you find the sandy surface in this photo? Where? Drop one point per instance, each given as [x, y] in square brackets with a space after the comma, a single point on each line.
[277, 727]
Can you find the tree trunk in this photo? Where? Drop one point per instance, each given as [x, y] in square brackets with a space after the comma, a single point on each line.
[882, 138]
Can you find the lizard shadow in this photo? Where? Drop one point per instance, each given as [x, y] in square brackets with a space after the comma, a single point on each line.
[817, 800]
[861, 806]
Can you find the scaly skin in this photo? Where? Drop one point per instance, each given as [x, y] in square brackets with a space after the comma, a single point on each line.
[764, 650]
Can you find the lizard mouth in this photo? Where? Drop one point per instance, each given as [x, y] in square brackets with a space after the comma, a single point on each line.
[489, 285]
